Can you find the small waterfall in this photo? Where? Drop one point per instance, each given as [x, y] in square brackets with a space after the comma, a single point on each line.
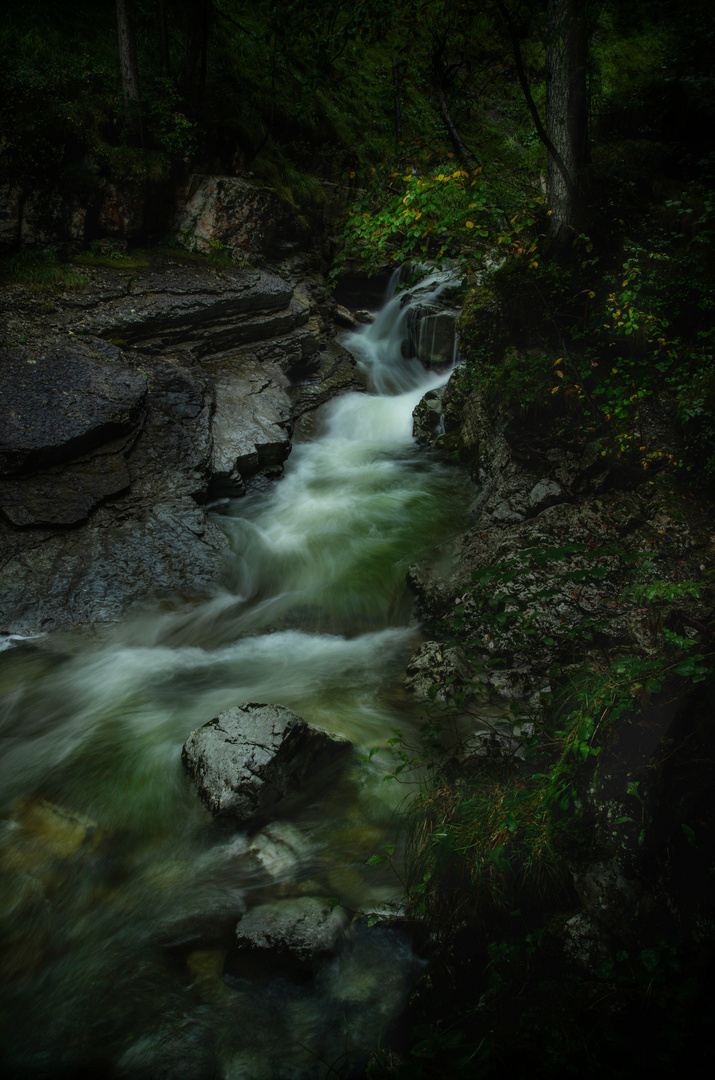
[412, 332]
[106, 852]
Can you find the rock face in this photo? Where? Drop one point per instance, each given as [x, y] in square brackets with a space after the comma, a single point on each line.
[558, 534]
[127, 405]
[249, 758]
[64, 450]
[227, 211]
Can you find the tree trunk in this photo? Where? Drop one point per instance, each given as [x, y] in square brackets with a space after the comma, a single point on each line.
[163, 29]
[566, 116]
[127, 51]
[197, 32]
[398, 111]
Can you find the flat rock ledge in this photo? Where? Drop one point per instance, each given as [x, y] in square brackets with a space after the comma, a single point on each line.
[251, 757]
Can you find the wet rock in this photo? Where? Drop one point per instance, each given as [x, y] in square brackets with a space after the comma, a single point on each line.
[608, 898]
[202, 309]
[335, 373]
[436, 673]
[251, 757]
[105, 443]
[203, 916]
[69, 415]
[252, 422]
[280, 850]
[43, 833]
[345, 318]
[305, 930]
[493, 743]
[431, 334]
[584, 943]
[97, 573]
[427, 418]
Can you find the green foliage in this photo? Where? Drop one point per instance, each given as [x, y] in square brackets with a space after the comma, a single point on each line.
[448, 213]
[40, 270]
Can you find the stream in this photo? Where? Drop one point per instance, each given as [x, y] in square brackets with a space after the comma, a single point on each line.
[119, 893]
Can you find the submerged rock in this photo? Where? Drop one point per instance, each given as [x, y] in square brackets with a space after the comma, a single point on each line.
[249, 758]
[306, 929]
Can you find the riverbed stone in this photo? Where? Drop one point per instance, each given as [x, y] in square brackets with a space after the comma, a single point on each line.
[248, 759]
[304, 929]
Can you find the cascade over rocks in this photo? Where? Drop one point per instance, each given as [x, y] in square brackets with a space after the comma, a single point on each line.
[250, 758]
[128, 404]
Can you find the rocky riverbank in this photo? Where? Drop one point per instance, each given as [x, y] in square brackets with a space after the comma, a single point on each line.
[129, 404]
[562, 861]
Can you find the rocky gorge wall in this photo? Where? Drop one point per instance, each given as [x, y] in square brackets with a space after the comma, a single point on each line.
[583, 584]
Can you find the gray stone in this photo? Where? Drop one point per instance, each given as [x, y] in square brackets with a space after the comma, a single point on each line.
[96, 573]
[61, 401]
[584, 942]
[427, 417]
[230, 214]
[252, 422]
[69, 415]
[544, 494]
[307, 929]
[431, 334]
[206, 310]
[280, 850]
[253, 756]
[436, 673]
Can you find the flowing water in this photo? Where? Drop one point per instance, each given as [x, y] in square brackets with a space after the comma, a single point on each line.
[118, 891]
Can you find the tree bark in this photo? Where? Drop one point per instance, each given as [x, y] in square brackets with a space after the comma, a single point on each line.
[197, 34]
[163, 29]
[127, 51]
[398, 111]
[566, 117]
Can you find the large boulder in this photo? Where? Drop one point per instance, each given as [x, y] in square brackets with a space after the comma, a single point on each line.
[230, 214]
[251, 757]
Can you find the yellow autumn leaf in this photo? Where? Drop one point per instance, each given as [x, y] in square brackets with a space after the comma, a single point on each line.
[560, 374]
[555, 390]
[558, 361]
[469, 224]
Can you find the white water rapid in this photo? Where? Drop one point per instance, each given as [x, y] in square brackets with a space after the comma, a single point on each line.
[118, 891]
